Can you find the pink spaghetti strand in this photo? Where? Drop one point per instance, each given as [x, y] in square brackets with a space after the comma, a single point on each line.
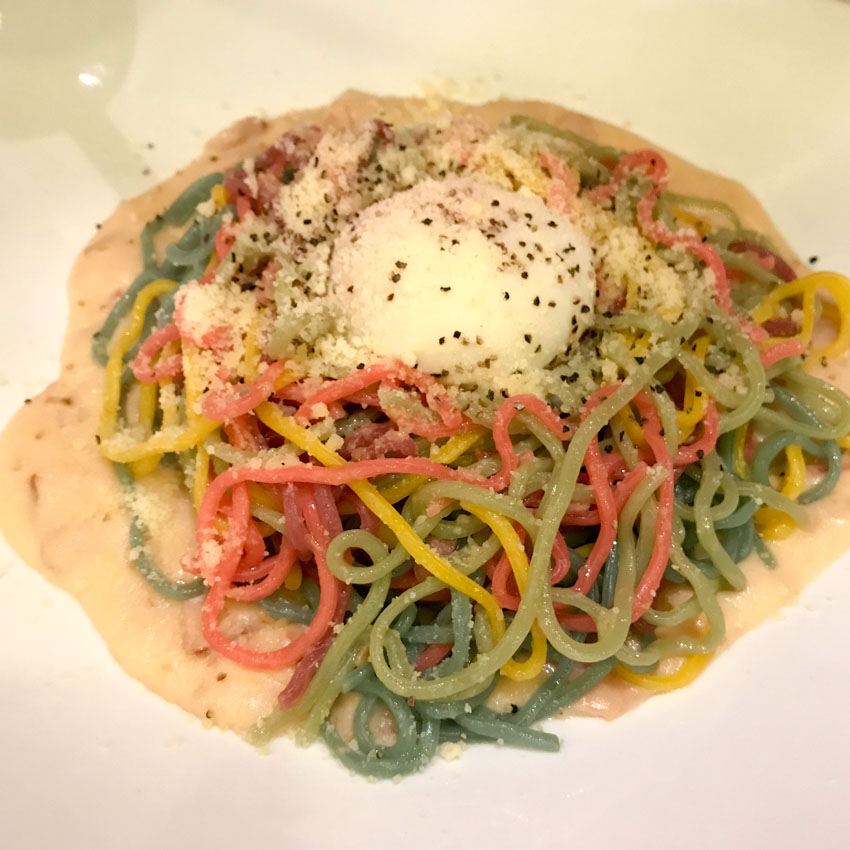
[507, 410]
[577, 515]
[651, 579]
[562, 191]
[368, 521]
[561, 561]
[243, 398]
[324, 525]
[224, 240]
[780, 351]
[276, 569]
[503, 585]
[605, 504]
[431, 656]
[607, 509]
[296, 531]
[254, 552]
[142, 365]
[292, 652]
[653, 163]
[502, 576]
[699, 448]
[393, 375]
[221, 570]
[304, 671]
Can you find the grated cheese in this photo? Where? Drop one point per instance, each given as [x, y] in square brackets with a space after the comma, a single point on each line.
[348, 272]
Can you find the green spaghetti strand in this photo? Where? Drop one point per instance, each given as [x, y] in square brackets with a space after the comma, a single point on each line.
[138, 549]
[174, 216]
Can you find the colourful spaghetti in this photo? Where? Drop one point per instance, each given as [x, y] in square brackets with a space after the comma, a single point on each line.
[439, 540]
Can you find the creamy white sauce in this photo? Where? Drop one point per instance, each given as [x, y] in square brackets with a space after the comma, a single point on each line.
[48, 457]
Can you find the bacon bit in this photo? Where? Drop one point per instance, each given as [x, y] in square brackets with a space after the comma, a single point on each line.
[376, 440]
[442, 547]
[781, 327]
[271, 168]
[777, 264]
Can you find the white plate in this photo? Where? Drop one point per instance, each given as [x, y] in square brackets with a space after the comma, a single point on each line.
[755, 753]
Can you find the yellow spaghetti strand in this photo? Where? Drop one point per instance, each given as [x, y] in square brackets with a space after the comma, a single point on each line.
[638, 344]
[584, 550]
[686, 217]
[775, 524]
[193, 385]
[694, 403]
[293, 578]
[693, 406]
[167, 395]
[251, 353]
[201, 478]
[806, 287]
[147, 405]
[260, 496]
[625, 420]
[518, 671]
[122, 344]
[147, 411]
[795, 477]
[162, 442]
[389, 516]
[689, 670]
[219, 195]
[453, 448]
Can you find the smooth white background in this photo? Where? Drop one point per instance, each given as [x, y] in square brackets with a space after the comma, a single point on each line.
[755, 754]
